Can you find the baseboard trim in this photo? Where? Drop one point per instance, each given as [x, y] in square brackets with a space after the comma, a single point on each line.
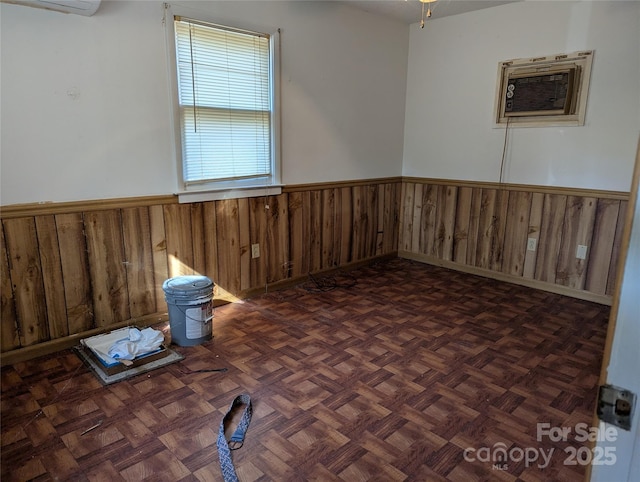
[49, 347]
[50, 208]
[318, 186]
[534, 188]
[290, 282]
[59, 344]
[530, 283]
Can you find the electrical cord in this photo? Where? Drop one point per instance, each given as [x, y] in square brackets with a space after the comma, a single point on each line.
[187, 371]
[329, 283]
[504, 152]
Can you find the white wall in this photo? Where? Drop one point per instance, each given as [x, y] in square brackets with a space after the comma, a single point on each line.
[85, 105]
[85, 110]
[453, 62]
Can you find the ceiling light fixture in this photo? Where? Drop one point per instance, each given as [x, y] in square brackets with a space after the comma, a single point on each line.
[428, 15]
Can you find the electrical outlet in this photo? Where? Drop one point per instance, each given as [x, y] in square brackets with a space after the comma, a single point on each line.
[531, 244]
[581, 252]
[255, 251]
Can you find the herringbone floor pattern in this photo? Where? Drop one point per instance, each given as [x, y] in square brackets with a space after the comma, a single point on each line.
[390, 378]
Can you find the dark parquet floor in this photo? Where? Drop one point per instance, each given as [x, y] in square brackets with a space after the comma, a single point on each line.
[404, 371]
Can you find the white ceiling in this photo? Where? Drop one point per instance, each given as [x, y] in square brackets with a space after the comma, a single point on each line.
[409, 11]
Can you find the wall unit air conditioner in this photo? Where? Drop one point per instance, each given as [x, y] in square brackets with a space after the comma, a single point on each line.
[544, 91]
[79, 7]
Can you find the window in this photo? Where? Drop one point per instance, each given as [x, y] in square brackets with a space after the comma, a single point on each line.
[225, 89]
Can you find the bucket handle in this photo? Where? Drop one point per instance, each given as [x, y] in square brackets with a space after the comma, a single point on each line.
[193, 319]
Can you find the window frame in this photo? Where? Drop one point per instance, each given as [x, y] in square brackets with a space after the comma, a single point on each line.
[223, 189]
[580, 61]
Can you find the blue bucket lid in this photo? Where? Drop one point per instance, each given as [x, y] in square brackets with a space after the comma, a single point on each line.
[187, 285]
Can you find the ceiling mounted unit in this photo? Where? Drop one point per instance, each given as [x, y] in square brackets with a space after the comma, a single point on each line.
[79, 7]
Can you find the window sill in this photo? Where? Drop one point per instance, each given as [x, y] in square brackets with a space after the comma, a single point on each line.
[229, 193]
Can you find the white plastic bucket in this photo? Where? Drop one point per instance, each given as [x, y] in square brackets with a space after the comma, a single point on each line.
[190, 303]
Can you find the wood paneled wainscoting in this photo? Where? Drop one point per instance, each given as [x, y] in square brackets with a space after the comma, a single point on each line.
[485, 229]
[70, 270]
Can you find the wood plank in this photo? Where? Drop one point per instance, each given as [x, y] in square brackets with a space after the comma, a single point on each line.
[281, 228]
[346, 217]
[371, 211]
[228, 228]
[368, 218]
[448, 221]
[26, 274]
[389, 218]
[197, 237]
[258, 235]
[474, 224]
[337, 226]
[177, 225]
[535, 221]
[578, 230]
[107, 267]
[359, 226]
[617, 244]
[428, 220]
[136, 234]
[328, 227]
[439, 233]
[499, 229]
[245, 244]
[159, 254]
[439, 229]
[486, 227]
[604, 233]
[307, 223]
[416, 222]
[380, 221]
[277, 237]
[315, 231]
[407, 216]
[551, 231]
[210, 241]
[9, 336]
[75, 272]
[395, 214]
[401, 230]
[461, 228]
[517, 231]
[52, 276]
[298, 258]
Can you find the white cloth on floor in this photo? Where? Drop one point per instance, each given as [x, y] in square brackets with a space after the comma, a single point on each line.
[138, 343]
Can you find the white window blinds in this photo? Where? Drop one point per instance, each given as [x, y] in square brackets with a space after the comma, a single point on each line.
[225, 102]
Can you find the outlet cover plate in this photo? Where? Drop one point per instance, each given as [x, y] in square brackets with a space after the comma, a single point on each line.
[581, 252]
